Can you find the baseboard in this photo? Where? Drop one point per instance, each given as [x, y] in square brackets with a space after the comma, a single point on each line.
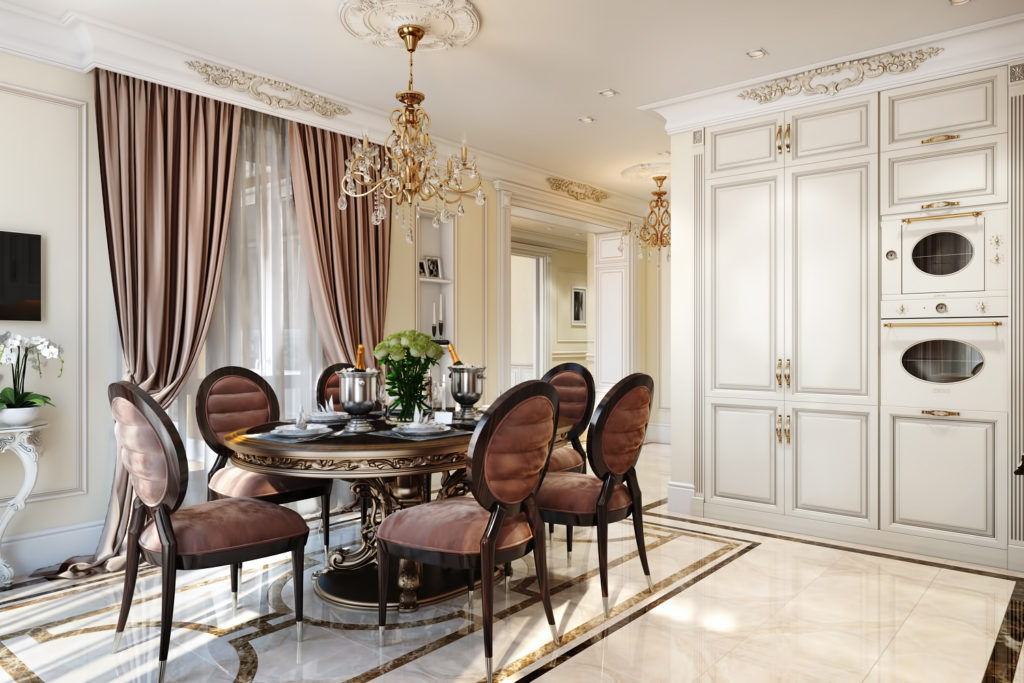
[1015, 558]
[680, 498]
[29, 552]
[658, 432]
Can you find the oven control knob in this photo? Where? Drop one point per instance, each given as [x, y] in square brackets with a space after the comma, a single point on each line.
[981, 307]
[890, 255]
[901, 309]
[941, 308]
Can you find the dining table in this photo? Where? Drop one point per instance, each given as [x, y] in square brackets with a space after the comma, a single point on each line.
[388, 471]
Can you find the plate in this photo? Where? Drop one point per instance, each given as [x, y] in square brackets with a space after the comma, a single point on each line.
[422, 428]
[292, 430]
[327, 418]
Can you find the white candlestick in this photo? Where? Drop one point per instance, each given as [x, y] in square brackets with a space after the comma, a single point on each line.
[435, 314]
[441, 297]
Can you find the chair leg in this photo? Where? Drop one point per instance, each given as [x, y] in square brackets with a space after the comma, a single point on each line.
[382, 589]
[641, 547]
[298, 578]
[131, 572]
[169, 576]
[236, 569]
[508, 576]
[602, 555]
[568, 538]
[325, 519]
[487, 603]
[551, 529]
[470, 580]
[541, 564]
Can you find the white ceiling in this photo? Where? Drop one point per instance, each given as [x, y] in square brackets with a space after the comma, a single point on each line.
[536, 65]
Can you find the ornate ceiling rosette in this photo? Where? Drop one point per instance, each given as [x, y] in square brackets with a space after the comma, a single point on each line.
[446, 23]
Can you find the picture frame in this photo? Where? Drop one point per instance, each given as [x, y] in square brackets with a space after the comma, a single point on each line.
[423, 267]
[432, 264]
[578, 306]
[20, 276]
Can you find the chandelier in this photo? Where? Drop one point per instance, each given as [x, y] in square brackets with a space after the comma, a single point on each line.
[654, 233]
[406, 169]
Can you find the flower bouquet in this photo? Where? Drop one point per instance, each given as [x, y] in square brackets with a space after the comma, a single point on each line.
[18, 351]
[408, 356]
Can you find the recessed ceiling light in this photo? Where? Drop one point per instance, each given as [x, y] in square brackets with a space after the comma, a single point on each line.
[666, 153]
[586, 119]
[608, 92]
[761, 52]
[957, 3]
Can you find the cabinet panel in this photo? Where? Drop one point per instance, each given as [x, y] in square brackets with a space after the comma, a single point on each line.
[831, 282]
[831, 463]
[945, 477]
[744, 147]
[743, 220]
[744, 453]
[965, 106]
[969, 173]
[833, 131]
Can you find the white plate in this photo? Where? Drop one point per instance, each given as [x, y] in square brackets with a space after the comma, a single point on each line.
[328, 417]
[308, 430]
[422, 428]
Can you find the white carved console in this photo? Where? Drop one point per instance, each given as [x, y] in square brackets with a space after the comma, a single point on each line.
[24, 443]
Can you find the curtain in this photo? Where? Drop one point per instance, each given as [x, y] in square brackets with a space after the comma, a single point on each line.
[347, 256]
[167, 161]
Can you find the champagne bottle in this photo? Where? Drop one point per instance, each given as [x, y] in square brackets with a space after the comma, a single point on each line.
[455, 356]
[361, 358]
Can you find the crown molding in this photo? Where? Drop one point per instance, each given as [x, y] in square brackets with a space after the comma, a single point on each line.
[973, 47]
[534, 202]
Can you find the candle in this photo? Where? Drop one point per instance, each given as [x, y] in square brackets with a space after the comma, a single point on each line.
[435, 314]
[441, 297]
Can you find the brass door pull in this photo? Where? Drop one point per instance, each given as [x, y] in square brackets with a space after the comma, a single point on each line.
[786, 373]
[778, 139]
[787, 137]
[918, 219]
[940, 205]
[939, 138]
[778, 429]
[786, 430]
[778, 374]
[941, 413]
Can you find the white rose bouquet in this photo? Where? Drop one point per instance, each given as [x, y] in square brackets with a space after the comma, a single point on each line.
[408, 355]
[18, 351]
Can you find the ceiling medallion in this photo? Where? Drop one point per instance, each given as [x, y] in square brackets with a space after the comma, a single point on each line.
[655, 232]
[446, 23]
[259, 88]
[579, 191]
[857, 70]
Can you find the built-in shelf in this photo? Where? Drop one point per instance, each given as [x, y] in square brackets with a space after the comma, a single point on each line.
[435, 280]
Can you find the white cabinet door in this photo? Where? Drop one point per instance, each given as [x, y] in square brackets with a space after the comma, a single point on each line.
[833, 131]
[954, 108]
[744, 441]
[744, 147]
[745, 241]
[945, 477]
[832, 463]
[959, 174]
[831, 292]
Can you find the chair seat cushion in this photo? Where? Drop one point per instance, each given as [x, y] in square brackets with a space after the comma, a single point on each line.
[452, 525]
[564, 458]
[234, 482]
[576, 493]
[227, 524]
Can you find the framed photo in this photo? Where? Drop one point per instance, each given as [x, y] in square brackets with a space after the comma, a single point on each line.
[20, 276]
[579, 306]
[423, 267]
[433, 266]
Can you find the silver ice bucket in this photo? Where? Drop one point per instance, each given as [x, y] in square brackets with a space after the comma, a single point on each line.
[467, 387]
[357, 391]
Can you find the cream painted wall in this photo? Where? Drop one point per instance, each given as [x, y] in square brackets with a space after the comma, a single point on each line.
[48, 188]
[524, 312]
[568, 342]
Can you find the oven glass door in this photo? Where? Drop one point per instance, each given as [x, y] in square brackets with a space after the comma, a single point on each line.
[945, 255]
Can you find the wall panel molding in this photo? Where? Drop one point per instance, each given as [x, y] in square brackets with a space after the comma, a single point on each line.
[1016, 427]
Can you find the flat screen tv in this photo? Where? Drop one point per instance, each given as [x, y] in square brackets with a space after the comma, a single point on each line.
[20, 270]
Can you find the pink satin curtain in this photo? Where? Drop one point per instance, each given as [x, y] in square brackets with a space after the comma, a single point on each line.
[167, 164]
[346, 255]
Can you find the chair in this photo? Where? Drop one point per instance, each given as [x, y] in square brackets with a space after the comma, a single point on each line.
[327, 387]
[507, 459]
[211, 534]
[616, 435]
[231, 398]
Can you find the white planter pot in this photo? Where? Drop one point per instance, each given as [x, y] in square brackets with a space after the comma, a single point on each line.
[17, 417]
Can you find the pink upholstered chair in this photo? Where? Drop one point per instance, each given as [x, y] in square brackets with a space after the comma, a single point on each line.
[233, 398]
[612, 493]
[576, 395]
[328, 384]
[211, 534]
[507, 460]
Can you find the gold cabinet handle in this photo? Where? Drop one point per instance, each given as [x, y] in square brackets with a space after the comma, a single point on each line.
[778, 374]
[940, 205]
[988, 323]
[918, 219]
[787, 137]
[787, 431]
[786, 373]
[778, 139]
[778, 429]
[941, 413]
[939, 138]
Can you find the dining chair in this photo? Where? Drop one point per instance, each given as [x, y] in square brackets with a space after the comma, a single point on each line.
[508, 456]
[212, 534]
[576, 395]
[231, 398]
[328, 386]
[611, 493]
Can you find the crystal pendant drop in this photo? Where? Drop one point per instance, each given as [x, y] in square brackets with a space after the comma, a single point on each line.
[460, 211]
[479, 197]
[342, 202]
[436, 222]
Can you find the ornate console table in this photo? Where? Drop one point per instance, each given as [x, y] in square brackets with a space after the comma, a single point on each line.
[24, 442]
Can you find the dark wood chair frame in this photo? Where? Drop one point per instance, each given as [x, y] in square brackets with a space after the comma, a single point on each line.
[577, 429]
[485, 562]
[602, 516]
[224, 452]
[168, 559]
[325, 376]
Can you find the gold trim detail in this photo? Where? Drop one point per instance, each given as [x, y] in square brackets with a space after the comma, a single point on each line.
[858, 70]
[576, 190]
[260, 88]
[994, 323]
[919, 219]
[457, 458]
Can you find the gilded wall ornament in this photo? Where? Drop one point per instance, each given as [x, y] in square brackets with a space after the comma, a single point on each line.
[273, 93]
[576, 190]
[446, 23]
[855, 70]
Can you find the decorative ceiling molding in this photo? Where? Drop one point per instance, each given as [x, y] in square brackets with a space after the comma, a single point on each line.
[578, 191]
[260, 88]
[447, 23]
[1016, 73]
[858, 69]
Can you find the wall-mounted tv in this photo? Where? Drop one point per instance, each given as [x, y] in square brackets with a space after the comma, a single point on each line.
[20, 276]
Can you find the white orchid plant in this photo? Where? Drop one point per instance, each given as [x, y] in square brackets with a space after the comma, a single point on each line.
[18, 351]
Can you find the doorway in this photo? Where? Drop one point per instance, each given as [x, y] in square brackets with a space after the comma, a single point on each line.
[528, 296]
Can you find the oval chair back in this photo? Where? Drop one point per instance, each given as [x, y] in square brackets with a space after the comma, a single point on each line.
[231, 398]
[619, 426]
[576, 394]
[328, 386]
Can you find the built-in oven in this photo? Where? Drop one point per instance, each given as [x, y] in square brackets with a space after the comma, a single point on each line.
[945, 365]
[953, 253]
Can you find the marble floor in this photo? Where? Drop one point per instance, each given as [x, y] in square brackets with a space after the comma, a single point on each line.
[730, 603]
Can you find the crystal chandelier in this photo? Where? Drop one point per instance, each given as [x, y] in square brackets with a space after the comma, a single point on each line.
[654, 233]
[408, 171]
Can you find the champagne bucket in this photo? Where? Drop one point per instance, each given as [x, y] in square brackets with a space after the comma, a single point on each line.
[467, 387]
[357, 391]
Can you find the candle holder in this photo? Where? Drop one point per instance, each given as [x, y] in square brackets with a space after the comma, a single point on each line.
[433, 331]
[440, 330]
